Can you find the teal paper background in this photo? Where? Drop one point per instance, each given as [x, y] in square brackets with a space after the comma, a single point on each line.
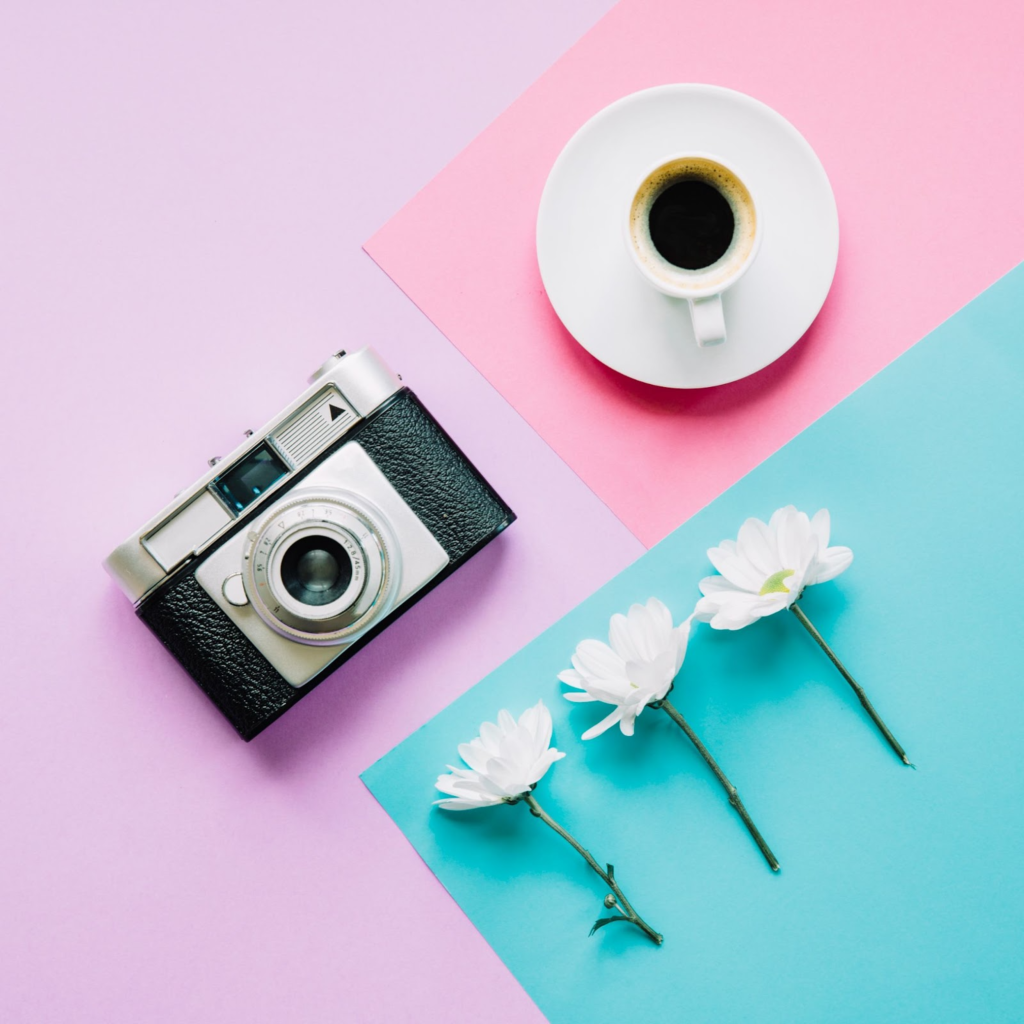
[900, 896]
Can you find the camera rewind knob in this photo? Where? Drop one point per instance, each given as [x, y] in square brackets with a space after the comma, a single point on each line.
[327, 366]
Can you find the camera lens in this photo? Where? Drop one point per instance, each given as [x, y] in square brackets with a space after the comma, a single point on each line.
[322, 567]
[316, 570]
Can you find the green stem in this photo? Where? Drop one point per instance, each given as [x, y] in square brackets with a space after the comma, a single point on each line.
[734, 797]
[857, 688]
[631, 914]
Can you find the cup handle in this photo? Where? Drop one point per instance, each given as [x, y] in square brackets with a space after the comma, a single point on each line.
[708, 320]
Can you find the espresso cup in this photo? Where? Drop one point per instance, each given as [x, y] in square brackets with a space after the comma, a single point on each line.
[693, 230]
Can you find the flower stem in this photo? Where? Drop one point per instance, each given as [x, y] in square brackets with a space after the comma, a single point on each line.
[857, 688]
[734, 797]
[626, 906]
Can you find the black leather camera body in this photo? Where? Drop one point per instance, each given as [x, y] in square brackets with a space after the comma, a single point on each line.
[297, 549]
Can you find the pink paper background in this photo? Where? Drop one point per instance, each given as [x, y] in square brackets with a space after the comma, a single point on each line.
[914, 109]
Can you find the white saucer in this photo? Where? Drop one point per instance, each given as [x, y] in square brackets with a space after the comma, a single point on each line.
[597, 292]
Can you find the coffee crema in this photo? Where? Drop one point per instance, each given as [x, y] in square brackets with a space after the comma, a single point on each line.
[692, 223]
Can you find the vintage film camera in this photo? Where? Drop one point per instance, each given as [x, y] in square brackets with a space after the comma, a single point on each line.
[307, 541]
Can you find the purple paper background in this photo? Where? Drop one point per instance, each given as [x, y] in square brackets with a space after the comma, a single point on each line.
[183, 196]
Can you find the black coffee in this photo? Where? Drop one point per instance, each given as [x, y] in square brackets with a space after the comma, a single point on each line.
[691, 224]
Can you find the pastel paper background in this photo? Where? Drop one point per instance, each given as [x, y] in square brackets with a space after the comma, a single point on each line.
[914, 110]
[901, 892]
[184, 191]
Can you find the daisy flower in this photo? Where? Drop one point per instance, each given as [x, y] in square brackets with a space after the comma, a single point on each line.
[766, 569]
[506, 761]
[637, 669]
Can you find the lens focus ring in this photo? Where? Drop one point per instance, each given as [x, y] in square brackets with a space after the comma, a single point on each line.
[318, 569]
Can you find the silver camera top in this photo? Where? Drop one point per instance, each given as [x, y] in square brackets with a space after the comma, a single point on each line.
[344, 390]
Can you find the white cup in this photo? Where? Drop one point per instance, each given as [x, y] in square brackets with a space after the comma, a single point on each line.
[692, 238]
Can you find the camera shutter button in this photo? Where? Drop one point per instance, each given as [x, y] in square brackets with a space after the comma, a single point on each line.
[233, 590]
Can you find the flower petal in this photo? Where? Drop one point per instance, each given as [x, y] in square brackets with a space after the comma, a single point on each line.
[609, 694]
[544, 725]
[756, 543]
[598, 660]
[612, 686]
[648, 631]
[467, 803]
[829, 565]
[660, 615]
[734, 567]
[627, 722]
[680, 638]
[731, 621]
[484, 783]
[620, 638]
[786, 523]
[602, 726]
[710, 585]
[448, 784]
[653, 677]
[821, 527]
[571, 677]
[797, 543]
[704, 610]
[539, 768]
[517, 750]
[507, 775]
[490, 737]
[475, 755]
[735, 609]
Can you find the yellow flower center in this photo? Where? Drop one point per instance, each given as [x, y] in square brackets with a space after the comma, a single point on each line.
[774, 584]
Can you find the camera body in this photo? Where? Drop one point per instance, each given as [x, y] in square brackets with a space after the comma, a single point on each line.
[308, 540]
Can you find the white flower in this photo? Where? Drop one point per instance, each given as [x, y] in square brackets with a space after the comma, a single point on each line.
[767, 567]
[505, 761]
[645, 655]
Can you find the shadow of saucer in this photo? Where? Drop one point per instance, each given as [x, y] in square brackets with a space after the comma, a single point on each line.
[696, 403]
